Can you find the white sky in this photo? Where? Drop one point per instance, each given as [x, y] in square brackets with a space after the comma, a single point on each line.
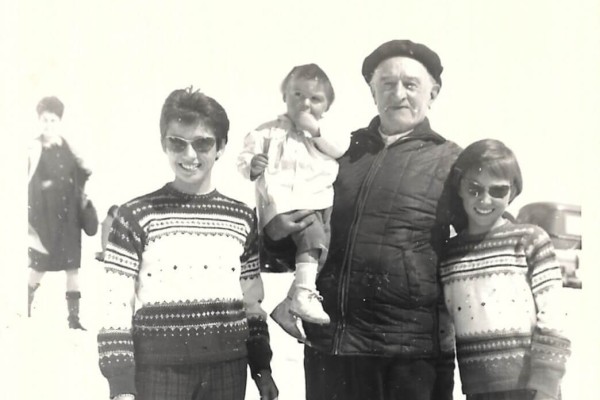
[521, 72]
[525, 72]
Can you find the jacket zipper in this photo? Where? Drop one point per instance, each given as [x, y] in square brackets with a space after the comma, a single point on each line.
[345, 276]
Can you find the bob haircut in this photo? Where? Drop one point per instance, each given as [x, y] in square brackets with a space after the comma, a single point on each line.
[492, 156]
[309, 72]
[50, 104]
[112, 211]
[191, 107]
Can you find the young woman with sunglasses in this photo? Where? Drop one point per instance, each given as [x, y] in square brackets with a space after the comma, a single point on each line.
[183, 318]
[501, 285]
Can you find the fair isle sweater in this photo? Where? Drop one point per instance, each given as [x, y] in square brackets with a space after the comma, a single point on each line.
[182, 286]
[503, 291]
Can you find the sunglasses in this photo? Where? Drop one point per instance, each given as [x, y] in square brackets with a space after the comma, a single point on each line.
[496, 191]
[200, 145]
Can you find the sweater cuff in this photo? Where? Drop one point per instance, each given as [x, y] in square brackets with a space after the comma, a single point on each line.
[547, 382]
[549, 357]
[122, 384]
[259, 349]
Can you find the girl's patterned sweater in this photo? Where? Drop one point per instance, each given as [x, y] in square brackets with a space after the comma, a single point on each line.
[182, 286]
[502, 290]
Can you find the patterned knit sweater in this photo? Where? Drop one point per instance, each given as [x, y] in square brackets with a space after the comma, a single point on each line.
[503, 290]
[182, 286]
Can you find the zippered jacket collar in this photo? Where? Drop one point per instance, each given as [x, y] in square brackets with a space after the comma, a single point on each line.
[422, 131]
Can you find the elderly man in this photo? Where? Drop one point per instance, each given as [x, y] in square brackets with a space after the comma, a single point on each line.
[379, 282]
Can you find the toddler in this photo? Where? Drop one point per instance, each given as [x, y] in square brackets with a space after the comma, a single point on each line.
[293, 161]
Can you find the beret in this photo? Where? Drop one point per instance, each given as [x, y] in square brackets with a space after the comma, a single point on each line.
[405, 48]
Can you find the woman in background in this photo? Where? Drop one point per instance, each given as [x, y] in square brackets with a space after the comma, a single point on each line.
[56, 198]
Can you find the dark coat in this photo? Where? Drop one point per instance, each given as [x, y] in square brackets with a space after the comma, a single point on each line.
[379, 283]
[54, 197]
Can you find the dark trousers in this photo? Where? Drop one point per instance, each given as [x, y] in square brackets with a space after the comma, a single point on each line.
[219, 381]
[510, 395]
[330, 377]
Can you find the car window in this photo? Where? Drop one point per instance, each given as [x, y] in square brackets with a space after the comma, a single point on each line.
[573, 224]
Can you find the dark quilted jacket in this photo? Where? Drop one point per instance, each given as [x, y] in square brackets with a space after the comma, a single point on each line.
[379, 283]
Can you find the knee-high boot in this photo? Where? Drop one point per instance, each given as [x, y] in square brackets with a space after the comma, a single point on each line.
[73, 307]
[30, 295]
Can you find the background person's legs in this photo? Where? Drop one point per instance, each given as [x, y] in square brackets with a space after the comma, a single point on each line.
[33, 284]
[73, 295]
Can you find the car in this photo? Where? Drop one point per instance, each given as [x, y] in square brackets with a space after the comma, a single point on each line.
[562, 222]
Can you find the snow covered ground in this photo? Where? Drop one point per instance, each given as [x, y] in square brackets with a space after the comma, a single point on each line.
[42, 358]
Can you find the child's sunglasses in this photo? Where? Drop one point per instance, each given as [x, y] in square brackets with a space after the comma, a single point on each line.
[496, 191]
[200, 145]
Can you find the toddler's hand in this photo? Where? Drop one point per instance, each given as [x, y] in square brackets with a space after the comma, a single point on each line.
[307, 122]
[258, 164]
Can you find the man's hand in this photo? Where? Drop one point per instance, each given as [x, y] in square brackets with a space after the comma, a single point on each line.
[266, 385]
[282, 225]
[258, 164]
[307, 122]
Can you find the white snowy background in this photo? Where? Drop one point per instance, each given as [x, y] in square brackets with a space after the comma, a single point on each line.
[522, 72]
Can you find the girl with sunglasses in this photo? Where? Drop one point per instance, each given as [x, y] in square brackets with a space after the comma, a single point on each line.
[502, 284]
[183, 318]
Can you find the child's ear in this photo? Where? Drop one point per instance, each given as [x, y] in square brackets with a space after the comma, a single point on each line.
[220, 152]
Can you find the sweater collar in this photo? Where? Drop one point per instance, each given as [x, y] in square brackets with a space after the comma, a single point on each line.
[169, 188]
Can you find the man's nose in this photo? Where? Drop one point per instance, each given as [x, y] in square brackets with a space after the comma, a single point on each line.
[400, 91]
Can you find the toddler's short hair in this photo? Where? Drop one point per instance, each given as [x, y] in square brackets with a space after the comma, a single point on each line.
[51, 104]
[190, 107]
[310, 71]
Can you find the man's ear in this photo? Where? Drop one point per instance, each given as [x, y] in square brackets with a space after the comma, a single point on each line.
[373, 93]
[435, 90]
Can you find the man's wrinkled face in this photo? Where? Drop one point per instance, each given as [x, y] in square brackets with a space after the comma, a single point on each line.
[403, 91]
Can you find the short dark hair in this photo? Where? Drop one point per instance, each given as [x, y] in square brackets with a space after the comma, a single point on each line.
[491, 155]
[112, 211]
[310, 71]
[190, 107]
[50, 104]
